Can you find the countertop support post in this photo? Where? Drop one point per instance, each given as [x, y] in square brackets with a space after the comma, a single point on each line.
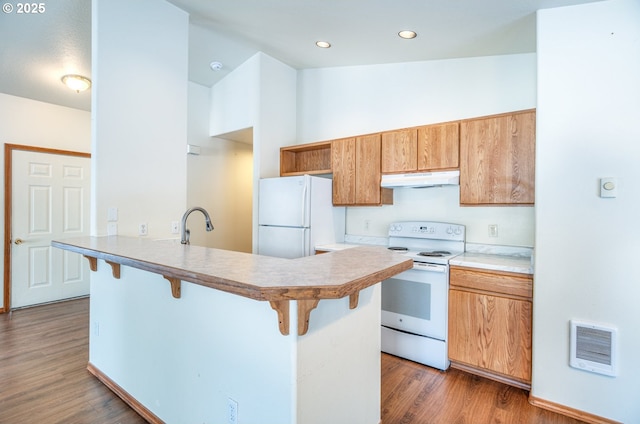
[115, 268]
[304, 311]
[353, 300]
[282, 308]
[175, 286]
[93, 262]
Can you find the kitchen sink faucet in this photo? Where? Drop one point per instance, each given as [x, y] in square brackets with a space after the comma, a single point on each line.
[184, 239]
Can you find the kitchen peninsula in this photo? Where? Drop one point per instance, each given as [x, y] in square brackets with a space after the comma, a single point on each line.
[187, 334]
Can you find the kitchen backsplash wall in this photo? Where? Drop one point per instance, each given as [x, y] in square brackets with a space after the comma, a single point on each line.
[515, 225]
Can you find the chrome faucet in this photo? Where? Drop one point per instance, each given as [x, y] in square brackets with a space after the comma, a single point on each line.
[184, 239]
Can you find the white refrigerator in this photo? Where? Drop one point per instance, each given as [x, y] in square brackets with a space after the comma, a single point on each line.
[295, 214]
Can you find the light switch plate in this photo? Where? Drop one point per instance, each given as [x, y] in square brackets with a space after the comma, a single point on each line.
[112, 214]
[608, 187]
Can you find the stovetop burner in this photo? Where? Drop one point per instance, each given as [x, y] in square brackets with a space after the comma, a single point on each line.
[398, 248]
[435, 253]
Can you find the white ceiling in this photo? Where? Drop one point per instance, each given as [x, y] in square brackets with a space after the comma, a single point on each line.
[37, 49]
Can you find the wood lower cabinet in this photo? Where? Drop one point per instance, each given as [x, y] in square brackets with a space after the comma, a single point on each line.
[428, 148]
[497, 159]
[490, 317]
[356, 172]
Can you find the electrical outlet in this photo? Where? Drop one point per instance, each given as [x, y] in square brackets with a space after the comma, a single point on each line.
[493, 230]
[232, 409]
[175, 227]
[143, 229]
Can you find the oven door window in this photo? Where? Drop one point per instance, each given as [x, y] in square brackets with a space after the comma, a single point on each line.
[415, 301]
[407, 298]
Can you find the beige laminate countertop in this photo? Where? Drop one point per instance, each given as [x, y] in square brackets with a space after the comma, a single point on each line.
[328, 276]
[507, 263]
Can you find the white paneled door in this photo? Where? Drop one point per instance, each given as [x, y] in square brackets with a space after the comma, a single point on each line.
[50, 195]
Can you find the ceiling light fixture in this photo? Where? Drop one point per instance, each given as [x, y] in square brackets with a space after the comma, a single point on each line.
[407, 34]
[323, 44]
[216, 66]
[77, 83]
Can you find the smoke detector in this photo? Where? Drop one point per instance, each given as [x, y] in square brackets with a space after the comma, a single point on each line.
[215, 66]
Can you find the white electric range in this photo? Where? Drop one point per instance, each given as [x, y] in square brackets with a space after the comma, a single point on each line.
[415, 302]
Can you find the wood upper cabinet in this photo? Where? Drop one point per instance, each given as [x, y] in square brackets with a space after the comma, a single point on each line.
[311, 158]
[400, 151]
[490, 315]
[438, 146]
[497, 159]
[431, 147]
[356, 172]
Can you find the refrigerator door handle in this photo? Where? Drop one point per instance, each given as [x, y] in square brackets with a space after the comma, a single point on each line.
[305, 191]
[304, 245]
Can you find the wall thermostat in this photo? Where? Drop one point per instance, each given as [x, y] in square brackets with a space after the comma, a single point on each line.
[608, 187]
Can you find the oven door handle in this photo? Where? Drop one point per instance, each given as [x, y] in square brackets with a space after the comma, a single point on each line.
[429, 267]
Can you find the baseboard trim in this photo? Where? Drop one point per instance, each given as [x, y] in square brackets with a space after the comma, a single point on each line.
[149, 416]
[521, 384]
[569, 412]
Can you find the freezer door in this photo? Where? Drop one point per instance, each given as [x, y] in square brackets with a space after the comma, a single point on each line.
[284, 201]
[283, 242]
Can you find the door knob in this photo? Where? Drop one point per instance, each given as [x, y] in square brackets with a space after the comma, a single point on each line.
[18, 241]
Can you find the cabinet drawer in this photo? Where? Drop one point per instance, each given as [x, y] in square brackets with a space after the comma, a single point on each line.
[498, 282]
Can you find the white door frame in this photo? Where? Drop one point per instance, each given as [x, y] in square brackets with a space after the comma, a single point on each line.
[8, 203]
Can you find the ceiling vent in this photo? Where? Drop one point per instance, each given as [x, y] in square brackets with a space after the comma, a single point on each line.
[593, 348]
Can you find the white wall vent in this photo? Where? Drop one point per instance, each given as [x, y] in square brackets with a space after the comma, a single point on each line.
[593, 348]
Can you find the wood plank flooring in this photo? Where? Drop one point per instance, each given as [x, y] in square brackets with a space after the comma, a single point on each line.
[43, 380]
[415, 394]
[43, 370]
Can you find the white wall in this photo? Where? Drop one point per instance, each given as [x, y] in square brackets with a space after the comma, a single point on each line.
[32, 123]
[220, 179]
[587, 247]
[139, 114]
[183, 358]
[260, 94]
[347, 101]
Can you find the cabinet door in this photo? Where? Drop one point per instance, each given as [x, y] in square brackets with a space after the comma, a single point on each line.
[491, 333]
[399, 151]
[356, 172]
[497, 159]
[343, 163]
[368, 175]
[438, 147]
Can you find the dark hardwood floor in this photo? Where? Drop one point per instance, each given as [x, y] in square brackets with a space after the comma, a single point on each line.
[43, 370]
[43, 379]
[416, 394]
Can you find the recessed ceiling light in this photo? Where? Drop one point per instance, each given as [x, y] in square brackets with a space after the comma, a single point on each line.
[407, 34]
[323, 44]
[215, 66]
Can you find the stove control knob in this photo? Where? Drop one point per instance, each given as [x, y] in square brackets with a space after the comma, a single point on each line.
[449, 230]
[458, 231]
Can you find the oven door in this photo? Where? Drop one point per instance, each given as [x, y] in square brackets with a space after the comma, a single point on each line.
[415, 301]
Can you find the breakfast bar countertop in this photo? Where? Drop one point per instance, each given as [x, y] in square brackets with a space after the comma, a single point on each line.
[328, 276]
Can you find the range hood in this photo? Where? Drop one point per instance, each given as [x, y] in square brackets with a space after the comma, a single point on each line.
[421, 179]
